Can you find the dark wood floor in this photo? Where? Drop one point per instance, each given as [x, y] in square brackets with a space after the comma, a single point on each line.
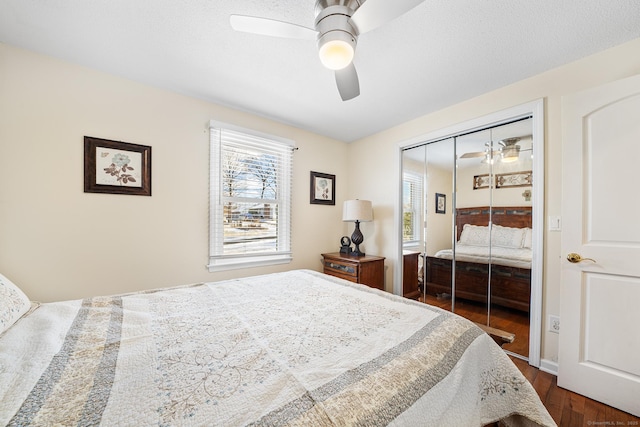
[566, 408]
[571, 409]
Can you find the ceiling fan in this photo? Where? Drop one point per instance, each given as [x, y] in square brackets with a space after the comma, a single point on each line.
[338, 24]
[508, 150]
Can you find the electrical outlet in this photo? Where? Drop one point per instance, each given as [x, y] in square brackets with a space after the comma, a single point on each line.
[554, 324]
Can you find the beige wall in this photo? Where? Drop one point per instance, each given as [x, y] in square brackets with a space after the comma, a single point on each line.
[439, 226]
[58, 242]
[378, 182]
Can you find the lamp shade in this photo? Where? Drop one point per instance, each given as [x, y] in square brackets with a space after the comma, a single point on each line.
[357, 210]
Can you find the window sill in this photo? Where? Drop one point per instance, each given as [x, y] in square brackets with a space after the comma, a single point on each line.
[235, 263]
[411, 245]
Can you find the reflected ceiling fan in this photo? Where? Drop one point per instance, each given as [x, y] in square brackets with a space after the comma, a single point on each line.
[508, 150]
[338, 24]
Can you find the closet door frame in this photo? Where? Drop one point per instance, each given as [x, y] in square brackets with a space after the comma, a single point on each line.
[535, 109]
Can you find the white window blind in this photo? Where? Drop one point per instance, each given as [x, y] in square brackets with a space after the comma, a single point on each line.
[250, 198]
[411, 207]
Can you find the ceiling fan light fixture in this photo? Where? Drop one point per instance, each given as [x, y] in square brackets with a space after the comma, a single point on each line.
[510, 151]
[488, 159]
[337, 26]
[510, 157]
[336, 50]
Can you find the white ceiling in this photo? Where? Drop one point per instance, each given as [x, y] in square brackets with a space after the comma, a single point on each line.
[440, 53]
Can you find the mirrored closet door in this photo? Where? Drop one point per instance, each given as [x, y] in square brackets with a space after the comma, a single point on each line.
[467, 220]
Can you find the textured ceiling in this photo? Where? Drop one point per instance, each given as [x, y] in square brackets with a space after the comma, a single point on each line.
[438, 54]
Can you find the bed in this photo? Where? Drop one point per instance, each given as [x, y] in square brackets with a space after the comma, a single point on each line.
[510, 253]
[298, 348]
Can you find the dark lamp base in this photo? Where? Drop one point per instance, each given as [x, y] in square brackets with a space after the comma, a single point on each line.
[356, 239]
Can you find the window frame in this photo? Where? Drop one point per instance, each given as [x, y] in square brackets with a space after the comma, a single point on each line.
[218, 261]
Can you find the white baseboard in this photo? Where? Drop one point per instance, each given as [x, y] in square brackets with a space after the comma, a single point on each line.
[549, 366]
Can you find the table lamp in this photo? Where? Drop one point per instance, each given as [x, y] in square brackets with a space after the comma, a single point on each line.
[357, 211]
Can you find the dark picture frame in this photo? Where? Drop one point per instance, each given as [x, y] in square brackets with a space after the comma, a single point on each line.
[322, 188]
[115, 167]
[441, 203]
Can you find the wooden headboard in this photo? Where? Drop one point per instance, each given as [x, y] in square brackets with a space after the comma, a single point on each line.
[518, 217]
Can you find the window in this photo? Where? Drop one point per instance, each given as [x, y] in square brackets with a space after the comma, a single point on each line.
[411, 207]
[250, 198]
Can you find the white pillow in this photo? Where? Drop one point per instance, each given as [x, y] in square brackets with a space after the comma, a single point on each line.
[507, 237]
[527, 240]
[13, 303]
[474, 235]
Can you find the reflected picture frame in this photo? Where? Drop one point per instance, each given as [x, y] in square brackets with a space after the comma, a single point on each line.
[441, 203]
[514, 179]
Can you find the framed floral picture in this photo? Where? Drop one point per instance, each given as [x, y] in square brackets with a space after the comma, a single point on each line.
[441, 203]
[323, 188]
[116, 167]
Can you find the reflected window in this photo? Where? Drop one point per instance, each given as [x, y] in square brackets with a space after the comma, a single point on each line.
[411, 207]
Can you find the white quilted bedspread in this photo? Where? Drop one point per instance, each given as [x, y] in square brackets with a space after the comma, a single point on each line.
[296, 348]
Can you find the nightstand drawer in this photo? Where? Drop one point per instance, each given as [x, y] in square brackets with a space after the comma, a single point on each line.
[334, 273]
[367, 270]
[341, 268]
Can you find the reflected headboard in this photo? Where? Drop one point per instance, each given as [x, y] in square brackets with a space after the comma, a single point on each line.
[518, 217]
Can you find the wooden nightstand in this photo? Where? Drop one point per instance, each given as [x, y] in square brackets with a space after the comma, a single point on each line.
[410, 275]
[368, 269]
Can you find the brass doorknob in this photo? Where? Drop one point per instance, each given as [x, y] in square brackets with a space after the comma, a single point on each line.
[574, 258]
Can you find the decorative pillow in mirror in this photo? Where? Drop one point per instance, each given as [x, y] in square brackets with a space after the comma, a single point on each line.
[507, 237]
[474, 235]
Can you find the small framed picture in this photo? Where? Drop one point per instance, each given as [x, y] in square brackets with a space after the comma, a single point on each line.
[441, 203]
[482, 181]
[323, 188]
[116, 167]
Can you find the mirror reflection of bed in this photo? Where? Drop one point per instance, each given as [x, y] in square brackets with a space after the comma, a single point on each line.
[503, 266]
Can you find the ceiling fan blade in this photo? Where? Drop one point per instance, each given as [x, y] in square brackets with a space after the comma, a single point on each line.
[347, 81]
[374, 13]
[473, 155]
[271, 27]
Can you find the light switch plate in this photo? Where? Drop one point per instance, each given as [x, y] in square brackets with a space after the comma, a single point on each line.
[555, 223]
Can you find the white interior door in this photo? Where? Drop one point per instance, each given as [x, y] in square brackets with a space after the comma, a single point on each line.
[599, 350]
